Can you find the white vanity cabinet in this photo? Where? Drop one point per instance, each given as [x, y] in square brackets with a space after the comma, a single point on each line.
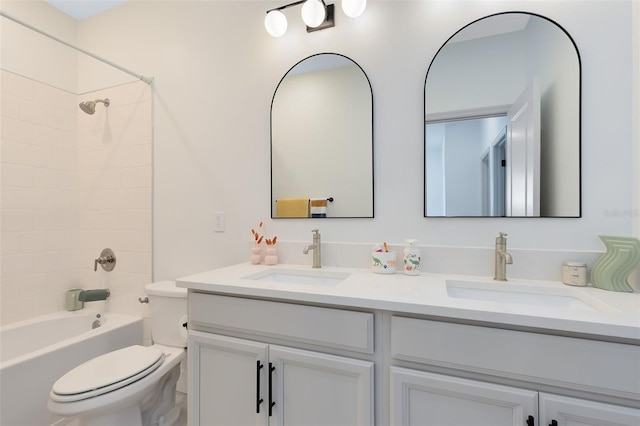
[425, 399]
[225, 385]
[539, 360]
[253, 381]
[307, 352]
[558, 410]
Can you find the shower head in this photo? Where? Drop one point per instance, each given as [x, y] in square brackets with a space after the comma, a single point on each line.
[90, 106]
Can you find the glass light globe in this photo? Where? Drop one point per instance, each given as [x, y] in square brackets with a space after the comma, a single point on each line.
[276, 23]
[353, 8]
[313, 13]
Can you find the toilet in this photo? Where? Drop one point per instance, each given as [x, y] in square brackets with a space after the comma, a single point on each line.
[136, 385]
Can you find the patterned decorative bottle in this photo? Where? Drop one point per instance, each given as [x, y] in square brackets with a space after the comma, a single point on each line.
[411, 261]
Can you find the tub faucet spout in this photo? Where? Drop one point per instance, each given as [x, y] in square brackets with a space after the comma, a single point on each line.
[317, 249]
[77, 297]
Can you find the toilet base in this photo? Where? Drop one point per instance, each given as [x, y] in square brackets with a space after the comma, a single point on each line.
[129, 416]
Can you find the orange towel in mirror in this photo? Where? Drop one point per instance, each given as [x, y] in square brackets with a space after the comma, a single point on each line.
[292, 207]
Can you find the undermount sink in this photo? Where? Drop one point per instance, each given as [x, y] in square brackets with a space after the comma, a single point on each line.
[558, 298]
[300, 276]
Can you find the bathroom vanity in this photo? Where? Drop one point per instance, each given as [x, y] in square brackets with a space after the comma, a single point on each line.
[292, 345]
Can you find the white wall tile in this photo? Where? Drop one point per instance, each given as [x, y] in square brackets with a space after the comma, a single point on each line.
[138, 198]
[17, 220]
[137, 177]
[54, 97]
[54, 179]
[16, 309]
[10, 106]
[16, 265]
[47, 303]
[46, 261]
[15, 85]
[11, 288]
[17, 175]
[17, 130]
[10, 152]
[33, 198]
[34, 241]
[10, 243]
[73, 184]
[10, 197]
[33, 112]
[51, 220]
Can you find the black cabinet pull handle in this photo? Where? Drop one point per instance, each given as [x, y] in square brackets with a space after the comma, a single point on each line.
[553, 423]
[258, 399]
[271, 402]
[530, 421]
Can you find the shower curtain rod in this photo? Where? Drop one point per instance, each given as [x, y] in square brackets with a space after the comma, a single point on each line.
[147, 80]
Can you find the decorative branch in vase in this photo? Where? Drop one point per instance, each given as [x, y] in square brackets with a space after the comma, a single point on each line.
[256, 249]
[271, 257]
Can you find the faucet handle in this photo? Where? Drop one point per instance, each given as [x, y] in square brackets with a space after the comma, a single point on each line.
[107, 260]
[315, 231]
[502, 234]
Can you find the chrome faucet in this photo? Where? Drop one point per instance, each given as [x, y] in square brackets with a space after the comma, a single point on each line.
[502, 258]
[317, 249]
[77, 297]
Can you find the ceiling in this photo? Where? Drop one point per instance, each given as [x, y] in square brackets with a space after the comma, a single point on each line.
[81, 9]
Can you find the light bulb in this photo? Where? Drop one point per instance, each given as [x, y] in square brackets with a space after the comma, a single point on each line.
[353, 8]
[313, 13]
[276, 23]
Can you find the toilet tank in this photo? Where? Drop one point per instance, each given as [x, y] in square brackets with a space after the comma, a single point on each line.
[168, 312]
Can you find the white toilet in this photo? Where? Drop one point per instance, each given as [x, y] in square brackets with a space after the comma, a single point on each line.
[135, 385]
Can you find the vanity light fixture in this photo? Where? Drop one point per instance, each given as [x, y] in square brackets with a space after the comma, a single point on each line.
[354, 8]
[315, 14]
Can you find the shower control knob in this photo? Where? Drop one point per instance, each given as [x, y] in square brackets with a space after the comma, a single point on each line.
[107, 260]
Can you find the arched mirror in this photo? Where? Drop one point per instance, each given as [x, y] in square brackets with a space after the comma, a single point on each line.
[502, 121]
[322, 140]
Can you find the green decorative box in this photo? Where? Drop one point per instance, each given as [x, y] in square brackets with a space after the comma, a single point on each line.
[611, 271]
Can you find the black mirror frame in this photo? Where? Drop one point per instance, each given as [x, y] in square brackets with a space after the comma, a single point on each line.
[372, 142]
[424, 138]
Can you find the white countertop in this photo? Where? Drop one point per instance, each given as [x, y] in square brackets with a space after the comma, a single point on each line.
[426, 294]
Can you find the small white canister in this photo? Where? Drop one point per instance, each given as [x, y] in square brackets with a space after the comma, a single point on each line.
[574, 273]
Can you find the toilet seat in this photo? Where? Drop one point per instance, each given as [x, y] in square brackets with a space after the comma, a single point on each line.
[107, 373]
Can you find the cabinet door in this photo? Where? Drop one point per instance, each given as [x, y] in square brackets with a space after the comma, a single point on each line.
[312, 388]
[565, 411]
[225, 381]
[427, 399]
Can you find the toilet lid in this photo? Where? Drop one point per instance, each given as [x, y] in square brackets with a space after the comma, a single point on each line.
[107, 373]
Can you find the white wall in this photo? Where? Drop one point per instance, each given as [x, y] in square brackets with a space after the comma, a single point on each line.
[560, 119]
[215, 70]
[53, 64]
[463, 168]
[500, 74]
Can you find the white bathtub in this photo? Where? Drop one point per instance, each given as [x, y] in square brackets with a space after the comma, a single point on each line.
[37, 352]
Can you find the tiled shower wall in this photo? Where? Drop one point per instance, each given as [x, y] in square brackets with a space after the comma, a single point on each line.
[73, 184]
[38, 197]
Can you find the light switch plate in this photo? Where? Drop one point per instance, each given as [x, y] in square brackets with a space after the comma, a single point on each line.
[218, 221]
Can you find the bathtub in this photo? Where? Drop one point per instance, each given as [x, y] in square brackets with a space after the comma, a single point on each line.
[37, 352]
